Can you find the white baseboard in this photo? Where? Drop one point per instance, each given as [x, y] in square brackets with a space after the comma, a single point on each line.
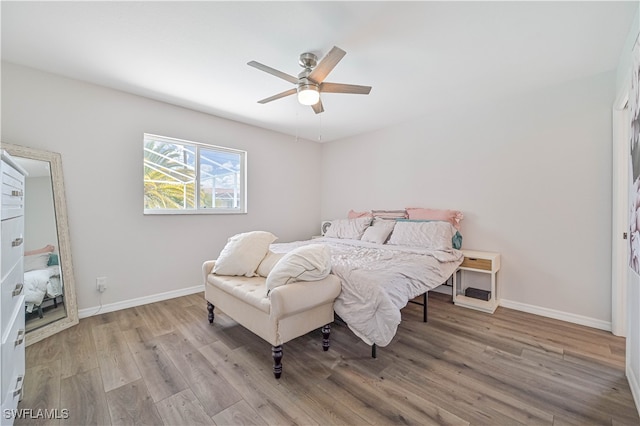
[634, 385]
[111, 307]
[532, 309]
[552, 313]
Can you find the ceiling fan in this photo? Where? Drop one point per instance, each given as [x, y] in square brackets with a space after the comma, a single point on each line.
[310, 82]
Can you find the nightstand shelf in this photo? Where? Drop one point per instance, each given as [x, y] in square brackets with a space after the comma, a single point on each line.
[477, 262]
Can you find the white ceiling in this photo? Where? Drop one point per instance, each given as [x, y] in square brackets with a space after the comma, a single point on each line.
[418, 56]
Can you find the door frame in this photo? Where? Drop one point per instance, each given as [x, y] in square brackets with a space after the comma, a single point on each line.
[619, 213]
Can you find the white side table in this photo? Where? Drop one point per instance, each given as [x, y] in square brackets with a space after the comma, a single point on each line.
[483, 262]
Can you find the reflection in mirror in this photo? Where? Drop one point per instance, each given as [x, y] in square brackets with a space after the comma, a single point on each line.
[50, 302]
[43, 281]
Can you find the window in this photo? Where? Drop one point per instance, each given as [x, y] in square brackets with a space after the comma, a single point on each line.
[182, 177]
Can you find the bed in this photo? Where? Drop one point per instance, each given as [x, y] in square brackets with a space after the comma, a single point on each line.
[42, 281]
[379, 276]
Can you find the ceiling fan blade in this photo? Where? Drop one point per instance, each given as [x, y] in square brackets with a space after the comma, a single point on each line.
[317, 108]
[278, 96]
[345, 88]
[273, 71]
[327, 64]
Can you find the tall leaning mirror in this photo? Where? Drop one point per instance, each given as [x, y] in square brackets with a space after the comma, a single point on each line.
[49, 286]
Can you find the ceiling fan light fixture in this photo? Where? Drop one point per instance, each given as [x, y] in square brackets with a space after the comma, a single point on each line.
[308, 94]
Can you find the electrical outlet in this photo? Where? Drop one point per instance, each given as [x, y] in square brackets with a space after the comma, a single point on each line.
[101, 284]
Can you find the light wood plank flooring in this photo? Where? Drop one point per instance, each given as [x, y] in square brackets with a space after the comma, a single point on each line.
[164, 364]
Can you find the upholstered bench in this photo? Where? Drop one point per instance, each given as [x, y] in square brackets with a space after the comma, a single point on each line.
[286, 312]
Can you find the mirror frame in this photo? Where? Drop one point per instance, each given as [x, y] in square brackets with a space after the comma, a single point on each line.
[64, 243]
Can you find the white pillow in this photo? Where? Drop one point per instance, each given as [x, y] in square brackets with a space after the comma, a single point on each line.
[307, 263]
[268, 263]
[36, 261]
[348, 228]
[379, 231]
[243, 253]
[436, 235]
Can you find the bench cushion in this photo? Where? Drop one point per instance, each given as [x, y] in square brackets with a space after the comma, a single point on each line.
[252, 291]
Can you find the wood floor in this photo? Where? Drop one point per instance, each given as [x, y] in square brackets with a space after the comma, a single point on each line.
[164, 364]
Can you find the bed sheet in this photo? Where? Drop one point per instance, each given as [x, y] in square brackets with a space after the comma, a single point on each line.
[378, 280]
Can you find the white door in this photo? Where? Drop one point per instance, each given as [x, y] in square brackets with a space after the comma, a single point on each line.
[620, 270]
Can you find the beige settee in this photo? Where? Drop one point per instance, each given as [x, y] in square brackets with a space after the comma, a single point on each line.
[287, 312]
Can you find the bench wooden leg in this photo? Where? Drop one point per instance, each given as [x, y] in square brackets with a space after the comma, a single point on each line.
[326, 331]
[210, 309]
[276, 351]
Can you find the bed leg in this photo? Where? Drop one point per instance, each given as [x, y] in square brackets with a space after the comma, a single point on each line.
[424, 307]
[210, 309]
[326, 331]
[373, 351]
[276, 351]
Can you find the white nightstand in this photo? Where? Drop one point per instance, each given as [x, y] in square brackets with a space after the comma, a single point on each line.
[482, 262]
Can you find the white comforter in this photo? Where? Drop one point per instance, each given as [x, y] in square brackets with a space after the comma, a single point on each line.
[40, 283]
[379, 280]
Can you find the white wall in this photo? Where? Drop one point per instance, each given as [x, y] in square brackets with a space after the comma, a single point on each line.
[532, 175]
[99, 133]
